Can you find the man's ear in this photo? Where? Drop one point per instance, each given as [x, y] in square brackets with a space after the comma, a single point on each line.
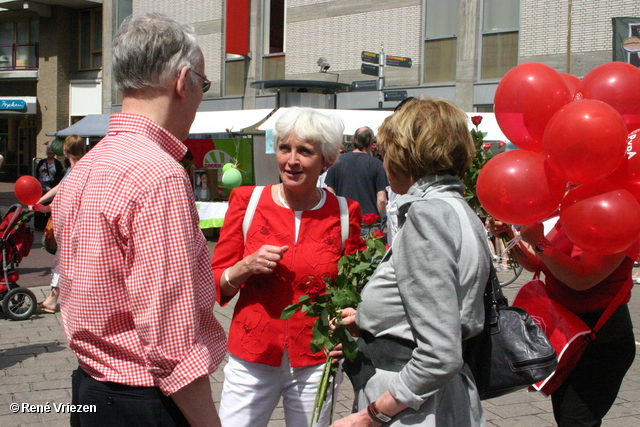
[181, 82]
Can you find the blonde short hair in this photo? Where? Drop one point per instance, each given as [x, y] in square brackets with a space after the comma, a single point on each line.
[425, 137]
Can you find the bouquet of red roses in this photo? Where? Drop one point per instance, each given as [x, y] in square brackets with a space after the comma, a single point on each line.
[325, 297]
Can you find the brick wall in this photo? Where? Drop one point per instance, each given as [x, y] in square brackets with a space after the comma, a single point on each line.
[341, 39]
[544, 25]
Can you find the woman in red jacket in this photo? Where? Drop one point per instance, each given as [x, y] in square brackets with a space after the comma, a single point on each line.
[295, 233]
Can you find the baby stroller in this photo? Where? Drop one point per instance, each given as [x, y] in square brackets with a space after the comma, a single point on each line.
[16, 238]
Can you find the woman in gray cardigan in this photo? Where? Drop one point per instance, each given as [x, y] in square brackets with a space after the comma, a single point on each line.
[426, 297]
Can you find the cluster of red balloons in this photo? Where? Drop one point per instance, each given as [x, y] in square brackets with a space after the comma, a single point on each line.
[569, 131]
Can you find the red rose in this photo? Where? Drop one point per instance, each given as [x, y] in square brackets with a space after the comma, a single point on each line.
[354, 244]
[476, 120]
[387, 246]
[370, 219]
[377, 233]
[316, 287]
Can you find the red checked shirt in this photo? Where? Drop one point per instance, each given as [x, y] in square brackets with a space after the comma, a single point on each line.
[137, 290]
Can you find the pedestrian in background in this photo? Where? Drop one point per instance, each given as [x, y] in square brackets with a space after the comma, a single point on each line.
[359, 176]
[73, 149]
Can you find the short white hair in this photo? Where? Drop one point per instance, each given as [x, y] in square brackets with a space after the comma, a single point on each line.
[310, 125]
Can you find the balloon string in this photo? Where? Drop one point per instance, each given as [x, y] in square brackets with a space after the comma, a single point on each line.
[513, 242]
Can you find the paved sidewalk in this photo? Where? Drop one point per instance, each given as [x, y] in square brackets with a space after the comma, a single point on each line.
[36, 365]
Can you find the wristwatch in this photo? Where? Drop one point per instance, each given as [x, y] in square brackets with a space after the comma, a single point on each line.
[376, 415]
[542, 245]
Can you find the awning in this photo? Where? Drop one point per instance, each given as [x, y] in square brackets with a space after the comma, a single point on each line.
[18, 105]
[204, 123]
[352, 119]
[220, 121]
[91, 125]
[207, 122]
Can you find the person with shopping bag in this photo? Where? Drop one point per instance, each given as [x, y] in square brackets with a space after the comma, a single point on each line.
[588, 285]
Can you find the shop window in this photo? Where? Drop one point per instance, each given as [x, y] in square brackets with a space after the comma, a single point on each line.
[441, 27]
[274, 23]
[500, 29]
[235, 75]
[19, 44]
[91, 39]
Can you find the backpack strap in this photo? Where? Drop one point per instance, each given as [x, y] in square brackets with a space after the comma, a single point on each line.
[251, 209]
[253, 203]
[344, 219]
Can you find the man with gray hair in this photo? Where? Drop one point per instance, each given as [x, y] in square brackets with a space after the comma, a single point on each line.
[137, 290]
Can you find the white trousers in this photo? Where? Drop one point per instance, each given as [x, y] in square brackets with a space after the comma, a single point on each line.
[251, 392]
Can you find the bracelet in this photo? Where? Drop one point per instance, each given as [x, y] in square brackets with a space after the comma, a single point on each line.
[376, 415]
[226, 277]
[542, 245]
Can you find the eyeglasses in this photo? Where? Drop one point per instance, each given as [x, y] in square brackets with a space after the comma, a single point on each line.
[206, 84]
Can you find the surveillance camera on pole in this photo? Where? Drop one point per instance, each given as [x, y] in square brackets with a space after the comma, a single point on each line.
[323, 64]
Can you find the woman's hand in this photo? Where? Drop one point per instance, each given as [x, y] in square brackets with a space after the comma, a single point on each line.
[532, 233]
[348, 321]
[497, 227]
[264, 260]
[359, 419]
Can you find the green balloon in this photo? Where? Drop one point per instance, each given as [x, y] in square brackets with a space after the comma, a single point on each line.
[232, 178]
[58, 147]
[226, 167]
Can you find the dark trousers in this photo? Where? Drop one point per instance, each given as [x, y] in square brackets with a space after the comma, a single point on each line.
[121, 405]
[591, 389]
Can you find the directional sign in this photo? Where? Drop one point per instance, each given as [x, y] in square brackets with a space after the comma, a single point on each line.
[360, 85]
[371, 70]
[399, 61]
[395, 95]
[371, 57]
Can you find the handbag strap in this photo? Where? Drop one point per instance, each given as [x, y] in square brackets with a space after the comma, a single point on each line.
[614, 304]
[611, 308]
[494, 299]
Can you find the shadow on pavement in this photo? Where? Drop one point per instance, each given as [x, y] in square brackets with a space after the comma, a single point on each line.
[12, 356]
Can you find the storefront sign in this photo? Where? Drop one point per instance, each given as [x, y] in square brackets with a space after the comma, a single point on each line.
[12, 104]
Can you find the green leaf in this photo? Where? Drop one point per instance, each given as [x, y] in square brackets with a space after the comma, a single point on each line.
[315, 310]
[289, 311]
[304, 299]
[361, 267]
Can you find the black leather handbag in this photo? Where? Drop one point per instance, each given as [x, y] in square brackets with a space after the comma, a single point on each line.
[512, 352]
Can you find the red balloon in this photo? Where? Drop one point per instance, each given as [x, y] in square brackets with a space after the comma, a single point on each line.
[587, 190]
[27, 190]
[633, 251]
[526, 98]
[617, 84]
[585, 141]
[519, 188]
[605, 223]
[629, 169]
[571, 81]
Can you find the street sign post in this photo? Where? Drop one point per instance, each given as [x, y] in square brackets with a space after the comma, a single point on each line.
[361, 85]
[395, 95]
[373, 65]
[399, 61]
[370, 57]
[370, 70]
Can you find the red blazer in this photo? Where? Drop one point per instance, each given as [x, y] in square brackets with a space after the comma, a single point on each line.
[257, 333]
